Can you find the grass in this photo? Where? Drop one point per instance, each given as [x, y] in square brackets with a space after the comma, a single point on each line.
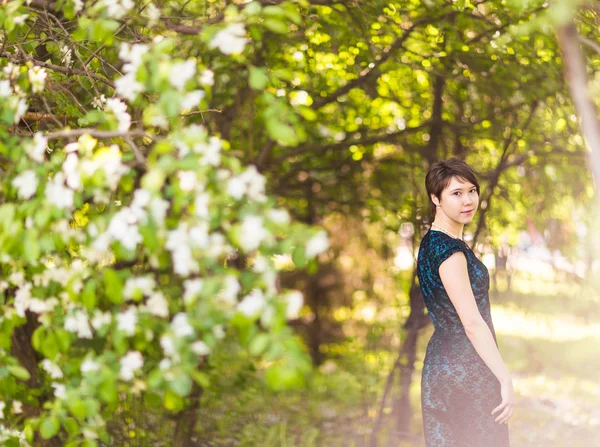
[548, 343]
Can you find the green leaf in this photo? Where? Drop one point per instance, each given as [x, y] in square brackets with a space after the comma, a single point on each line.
[299, 256]
[181, 384]
[19, 372]
[201, 378]
[172, 401]
[77, 407]
[49, 427]
[258, 344]
[258, 78]
[114, 286]
[88, 295]
[276, 25]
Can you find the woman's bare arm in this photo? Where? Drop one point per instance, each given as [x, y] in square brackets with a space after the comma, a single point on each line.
[455, 277]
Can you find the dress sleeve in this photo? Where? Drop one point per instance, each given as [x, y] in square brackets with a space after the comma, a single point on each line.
[447, 248]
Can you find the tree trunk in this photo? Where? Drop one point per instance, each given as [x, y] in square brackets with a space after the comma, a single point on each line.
[417, 320]
[186, 421]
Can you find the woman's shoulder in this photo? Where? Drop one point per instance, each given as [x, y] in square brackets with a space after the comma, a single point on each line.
[437, 246]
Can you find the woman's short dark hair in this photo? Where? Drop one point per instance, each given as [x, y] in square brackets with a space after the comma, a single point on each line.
[439, 176]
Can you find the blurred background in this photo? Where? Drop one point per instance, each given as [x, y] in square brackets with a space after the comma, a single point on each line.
[343, 105]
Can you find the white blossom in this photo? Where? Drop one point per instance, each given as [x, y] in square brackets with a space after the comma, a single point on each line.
[78, 5]
[230, 290]
[89, 366]
[52, 369]
[67, 54]
[143, 284]
[168, 344]
[317, 244]
[158, 305]
[22, 299]
[70, 170]
[37, 78]
[101, 319]
[252, 303]
[192, 288]
[117, 9]
[207, 77]
[126, 321]
[17, 407]
[119, 109]
[26, 183]
[250, 182]
[252, 232]
[109, 160]
[128, 88]
[5, 89]
[11, 70]
[181, 73]
[192, 99]
[152, 13]
[218, 331]
[230, 40]
[187, 180]
[200, 348]
[57, 193]
[20, 106]
[279, 216]
[294, 301]
[123, 228]
[132, 362]
[78, 322]
[180, 325]
[99, 102]
[201, 205]
[211, 152]
[60, 391]
[158, 209]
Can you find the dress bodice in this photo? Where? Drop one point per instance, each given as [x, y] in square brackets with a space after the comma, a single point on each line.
[449, 341]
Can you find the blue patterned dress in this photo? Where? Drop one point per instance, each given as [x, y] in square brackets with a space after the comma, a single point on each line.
[458, 390]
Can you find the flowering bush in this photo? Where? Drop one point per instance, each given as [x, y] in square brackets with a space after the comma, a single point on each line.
[133, 243]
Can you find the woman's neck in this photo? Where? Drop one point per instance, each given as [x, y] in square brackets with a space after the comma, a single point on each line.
[455, 228]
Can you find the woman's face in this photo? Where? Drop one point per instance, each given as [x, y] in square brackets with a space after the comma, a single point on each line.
[458, 197]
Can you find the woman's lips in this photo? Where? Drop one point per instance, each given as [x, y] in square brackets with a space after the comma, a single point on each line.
[467, 212]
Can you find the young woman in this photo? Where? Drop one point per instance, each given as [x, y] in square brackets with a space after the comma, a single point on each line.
[467, 395]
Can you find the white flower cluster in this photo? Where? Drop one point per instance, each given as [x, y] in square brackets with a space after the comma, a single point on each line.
[182, 241]
[37, 147]
[26, 183]
[127, 321]
[9, 434]
[126, 86]
[52, 369]
[317, 244]
[119, 109]
[109, 160]
[37, 78]
[195, 139]
[230, 40]
[78, 322]
[130, 363]
[117, 9]
[252, 232]
[252, 304]
[250, 183]
[58, 193]
[181, 73]
[16, 98]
